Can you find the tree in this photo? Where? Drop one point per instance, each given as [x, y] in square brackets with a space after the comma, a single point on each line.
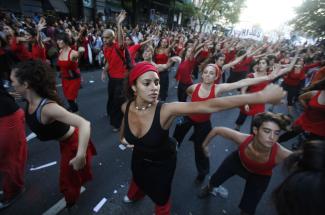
[222, 11]
[310, 18]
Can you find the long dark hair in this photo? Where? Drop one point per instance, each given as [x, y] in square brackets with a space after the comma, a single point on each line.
[303, 191]
[39, 77]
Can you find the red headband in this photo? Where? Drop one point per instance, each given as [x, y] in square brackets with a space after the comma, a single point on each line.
[139, 69]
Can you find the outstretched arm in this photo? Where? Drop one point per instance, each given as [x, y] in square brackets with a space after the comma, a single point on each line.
[235, 136]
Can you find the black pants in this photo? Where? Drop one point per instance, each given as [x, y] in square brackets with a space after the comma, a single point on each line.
[236, 76]
[241, 119]
[201, 130]
[181, 92]
[164, 85]
[115, 100]
[293, 93]
[255, 184]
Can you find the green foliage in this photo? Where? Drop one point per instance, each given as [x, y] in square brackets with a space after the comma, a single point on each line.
[310, 18]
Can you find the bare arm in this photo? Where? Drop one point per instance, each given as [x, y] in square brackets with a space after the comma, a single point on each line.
[53, 111]
[234, 62]
[271, 94]
[119, 21]
[305, 98]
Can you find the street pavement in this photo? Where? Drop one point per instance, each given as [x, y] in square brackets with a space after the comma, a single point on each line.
[111, 168]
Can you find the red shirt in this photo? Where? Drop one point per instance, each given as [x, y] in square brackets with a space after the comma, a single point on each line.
[230, 56]
[243, 66]
[38, 53]
[293, 78]
[255, 108]
[116, 68]
[254, 166]
[20, 50]
[161, 58]
[196, 98]
[313, 119]
[133, 50]
[184, 71]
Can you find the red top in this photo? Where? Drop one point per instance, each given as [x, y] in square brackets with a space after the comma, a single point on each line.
[38, 53]
[133, 50]
[116, 68]
[179, 49]
[254, 166]
[161, 58]
[255, 108]
[20, 50]
[67, 65]
[293, 78]
[197, 98]
[184, 71]
[313, 119]
[243, 66]
[230, 56]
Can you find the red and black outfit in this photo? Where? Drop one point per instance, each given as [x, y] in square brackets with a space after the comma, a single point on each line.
[184, 78]
[153, 163]
[311, 121]
[257, 175]
[20, 50]
[70, 180]
[163, 76]
[292, 83]
[202, 126]
[253, 108]
[13, 146]
[115, 57]
[70, 76]
[240, 70]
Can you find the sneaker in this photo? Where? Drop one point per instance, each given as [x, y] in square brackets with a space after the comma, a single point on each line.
[5, 204]
[204, 192]
[221, 191]
[127, 200]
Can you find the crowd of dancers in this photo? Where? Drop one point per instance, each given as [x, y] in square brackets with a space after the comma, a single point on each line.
[210, 69]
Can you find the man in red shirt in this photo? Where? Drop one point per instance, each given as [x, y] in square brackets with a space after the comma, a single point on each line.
[115, 67]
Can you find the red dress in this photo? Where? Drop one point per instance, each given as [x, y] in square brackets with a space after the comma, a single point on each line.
[38, 53]
[313, 119]
[255, 108]
[70, 75]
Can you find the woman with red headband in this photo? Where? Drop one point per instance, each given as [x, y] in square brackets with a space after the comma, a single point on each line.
[206, 90]
[146, 124]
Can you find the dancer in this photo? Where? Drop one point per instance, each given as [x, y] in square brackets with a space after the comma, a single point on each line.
[206, 90]
[70, 73]
[13, 146]
[146, 128]
[256, 156]
[35, 81]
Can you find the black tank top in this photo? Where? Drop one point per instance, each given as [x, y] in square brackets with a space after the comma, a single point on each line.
[44, 132]
[155, 145]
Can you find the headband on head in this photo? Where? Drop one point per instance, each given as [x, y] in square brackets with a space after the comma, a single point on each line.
[139, 69]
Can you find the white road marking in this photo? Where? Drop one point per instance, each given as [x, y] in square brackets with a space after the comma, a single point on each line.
[100, 205]
[59, 206]
[43, 166]
[122, 147]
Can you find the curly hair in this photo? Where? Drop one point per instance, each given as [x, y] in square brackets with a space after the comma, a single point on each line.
[282, 120]
[39, 77]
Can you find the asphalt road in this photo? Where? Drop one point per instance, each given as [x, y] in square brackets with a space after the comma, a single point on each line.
[111, 168]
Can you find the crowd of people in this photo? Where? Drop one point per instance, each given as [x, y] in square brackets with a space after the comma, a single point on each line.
[215, 72]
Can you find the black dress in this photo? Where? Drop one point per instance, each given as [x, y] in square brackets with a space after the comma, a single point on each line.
[153, 159]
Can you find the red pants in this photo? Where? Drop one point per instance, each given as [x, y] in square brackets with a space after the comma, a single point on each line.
[71, 180]
[135, 193]
[13, 153]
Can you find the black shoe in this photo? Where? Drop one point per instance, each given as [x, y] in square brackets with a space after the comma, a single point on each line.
[7, 203]
[204, 192]
[199, 180]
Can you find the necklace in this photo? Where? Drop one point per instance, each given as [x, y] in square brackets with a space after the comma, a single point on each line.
[143, 108]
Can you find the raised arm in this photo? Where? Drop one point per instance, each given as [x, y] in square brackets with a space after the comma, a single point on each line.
[234, 62]
[120, 18]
